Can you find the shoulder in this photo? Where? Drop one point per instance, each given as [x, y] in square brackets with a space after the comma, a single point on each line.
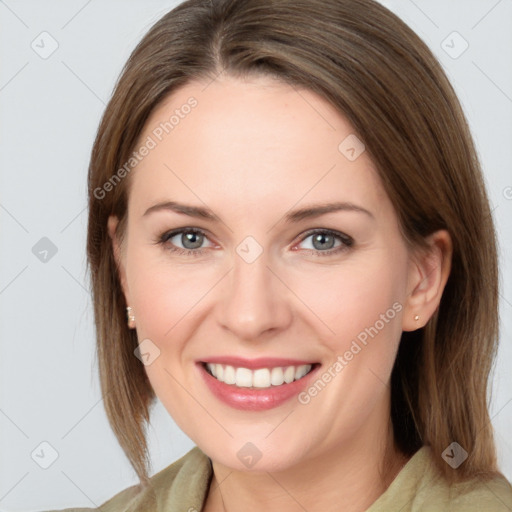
[420, 487]
[490, 495]
[181, 485]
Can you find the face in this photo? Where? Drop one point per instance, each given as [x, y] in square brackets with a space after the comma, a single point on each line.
[228, 260]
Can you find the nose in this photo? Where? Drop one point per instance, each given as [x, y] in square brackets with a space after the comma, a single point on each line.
[254, 300]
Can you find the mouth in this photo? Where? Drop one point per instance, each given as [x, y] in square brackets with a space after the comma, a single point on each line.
[256, 384]
[259, 378]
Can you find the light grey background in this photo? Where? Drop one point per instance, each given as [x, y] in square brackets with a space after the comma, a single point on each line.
[50, 110]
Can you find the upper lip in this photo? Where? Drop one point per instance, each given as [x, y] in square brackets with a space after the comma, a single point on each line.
[254, 364]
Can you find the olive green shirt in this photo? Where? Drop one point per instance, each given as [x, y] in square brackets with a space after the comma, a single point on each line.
[183, 487]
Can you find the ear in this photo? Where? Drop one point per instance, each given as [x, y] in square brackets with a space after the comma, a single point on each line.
[428, 273]
[113, 223]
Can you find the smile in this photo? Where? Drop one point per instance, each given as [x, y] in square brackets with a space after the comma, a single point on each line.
[261, 378]
[268, 382]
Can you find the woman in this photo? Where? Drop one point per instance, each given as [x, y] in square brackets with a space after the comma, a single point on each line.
[291, 247]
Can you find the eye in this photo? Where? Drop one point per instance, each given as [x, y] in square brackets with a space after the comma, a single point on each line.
[191, 240]
[326, 242]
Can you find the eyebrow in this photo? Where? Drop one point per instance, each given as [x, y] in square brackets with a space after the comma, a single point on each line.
[294, 216]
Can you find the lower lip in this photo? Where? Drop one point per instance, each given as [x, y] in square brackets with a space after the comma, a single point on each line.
[248, 399]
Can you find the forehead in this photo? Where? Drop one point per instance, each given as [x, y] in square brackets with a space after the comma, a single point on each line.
[252, 143]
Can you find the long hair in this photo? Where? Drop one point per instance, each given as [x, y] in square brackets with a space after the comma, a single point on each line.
[379, 74]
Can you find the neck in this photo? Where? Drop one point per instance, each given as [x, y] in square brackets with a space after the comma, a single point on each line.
[354, 473]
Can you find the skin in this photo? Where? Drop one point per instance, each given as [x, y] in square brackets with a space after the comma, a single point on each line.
[251, 151]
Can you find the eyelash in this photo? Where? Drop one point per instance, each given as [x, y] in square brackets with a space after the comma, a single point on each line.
[346, 242]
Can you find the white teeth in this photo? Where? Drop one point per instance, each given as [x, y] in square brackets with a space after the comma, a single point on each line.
[289, 374]
[229, 375]
[301, 371]
[260, 378]
[277, 376]
[243, 377]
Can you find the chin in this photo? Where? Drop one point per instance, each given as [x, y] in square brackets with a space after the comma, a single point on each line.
[255, 457]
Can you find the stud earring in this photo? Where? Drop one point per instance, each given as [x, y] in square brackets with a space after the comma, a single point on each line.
[416, 317]
[131, 318]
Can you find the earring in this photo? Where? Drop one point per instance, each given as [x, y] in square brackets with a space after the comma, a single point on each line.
[416, 317]
[131, 318]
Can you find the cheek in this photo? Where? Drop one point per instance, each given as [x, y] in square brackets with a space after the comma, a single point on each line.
[353, 298]
[164, 295]
[359, 307]
[345, 299]
[167, 303]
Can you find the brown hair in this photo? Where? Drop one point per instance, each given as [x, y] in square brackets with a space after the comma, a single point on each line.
[378, 74]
